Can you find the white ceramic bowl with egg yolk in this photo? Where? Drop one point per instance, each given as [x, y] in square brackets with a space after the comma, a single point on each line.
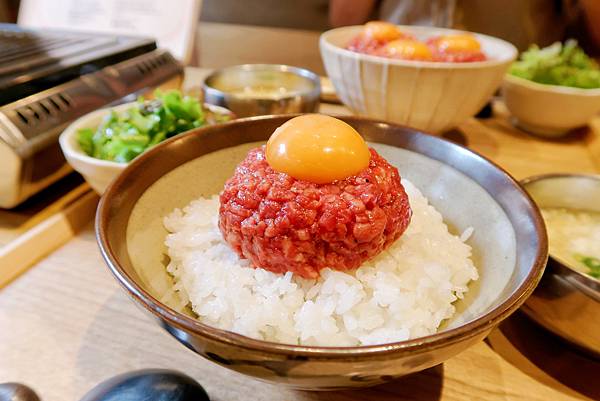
[427, 95]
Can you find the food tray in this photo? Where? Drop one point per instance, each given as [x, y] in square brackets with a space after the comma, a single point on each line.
[43, 223]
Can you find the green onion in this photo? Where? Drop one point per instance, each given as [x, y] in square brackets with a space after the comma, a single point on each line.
[591, 263]
[124, 135]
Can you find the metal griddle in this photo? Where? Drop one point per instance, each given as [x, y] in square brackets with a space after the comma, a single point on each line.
[50, 78]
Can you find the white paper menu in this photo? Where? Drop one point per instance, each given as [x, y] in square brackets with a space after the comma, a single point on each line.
[171, 22]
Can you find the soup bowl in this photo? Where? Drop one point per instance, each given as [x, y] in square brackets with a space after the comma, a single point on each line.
[509, 248]
[567, 301]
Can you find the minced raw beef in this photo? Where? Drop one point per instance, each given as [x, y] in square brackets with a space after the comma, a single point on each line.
[283, 224]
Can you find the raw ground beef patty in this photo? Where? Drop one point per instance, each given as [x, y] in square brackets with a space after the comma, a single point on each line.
[282, 224]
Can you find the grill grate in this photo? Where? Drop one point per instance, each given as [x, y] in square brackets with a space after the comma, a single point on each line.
[33, 61]
[21, 51]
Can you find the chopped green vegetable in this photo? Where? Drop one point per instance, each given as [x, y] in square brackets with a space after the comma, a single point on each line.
[123, 136]
[85, 138]
[558, 64]
[591, 263]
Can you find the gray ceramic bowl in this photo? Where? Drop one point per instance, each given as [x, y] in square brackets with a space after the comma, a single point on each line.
[509, 248]
[260, 89]
[567, 302]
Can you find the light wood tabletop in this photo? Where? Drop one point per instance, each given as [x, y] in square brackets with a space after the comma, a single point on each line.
[65, 325]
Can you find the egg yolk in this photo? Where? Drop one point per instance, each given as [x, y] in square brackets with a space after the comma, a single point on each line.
[317, 148]
[458, 43]
[407, 49]
[381, 31]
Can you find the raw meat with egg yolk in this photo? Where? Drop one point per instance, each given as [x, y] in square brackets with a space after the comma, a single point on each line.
[284, 224]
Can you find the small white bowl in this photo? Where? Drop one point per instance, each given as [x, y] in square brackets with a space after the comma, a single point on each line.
[97, 172]
[432, 96]
[548, 110]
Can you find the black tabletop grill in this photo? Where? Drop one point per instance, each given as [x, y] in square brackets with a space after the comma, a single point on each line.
[50, 78]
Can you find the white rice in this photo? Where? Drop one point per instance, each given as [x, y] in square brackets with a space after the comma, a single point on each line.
[405, 292]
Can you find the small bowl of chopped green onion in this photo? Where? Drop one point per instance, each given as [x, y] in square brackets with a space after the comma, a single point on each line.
[553, 90]
[100, 144]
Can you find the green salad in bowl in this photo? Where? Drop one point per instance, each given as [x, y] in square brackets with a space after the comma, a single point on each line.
[558, 64]
[124, 134]
[101, 144]
[553, 90]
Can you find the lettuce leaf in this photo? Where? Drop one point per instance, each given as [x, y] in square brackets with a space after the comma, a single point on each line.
[558, 64]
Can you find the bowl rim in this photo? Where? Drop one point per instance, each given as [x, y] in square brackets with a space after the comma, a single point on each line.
[565, 90]
[324, 42]
[417, 345]
[72, 150]
[586, 279]
[313, 92]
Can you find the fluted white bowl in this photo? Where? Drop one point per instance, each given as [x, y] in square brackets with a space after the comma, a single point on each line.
[432, 96]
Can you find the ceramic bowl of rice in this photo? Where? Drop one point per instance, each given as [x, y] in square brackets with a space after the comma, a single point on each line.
[473, 252]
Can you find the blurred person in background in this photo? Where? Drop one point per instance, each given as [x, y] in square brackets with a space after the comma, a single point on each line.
[521, 22]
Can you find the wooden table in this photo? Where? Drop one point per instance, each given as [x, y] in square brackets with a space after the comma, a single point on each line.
[65, 325]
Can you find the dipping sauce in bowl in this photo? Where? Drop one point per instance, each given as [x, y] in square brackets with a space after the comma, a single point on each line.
[259, 89]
